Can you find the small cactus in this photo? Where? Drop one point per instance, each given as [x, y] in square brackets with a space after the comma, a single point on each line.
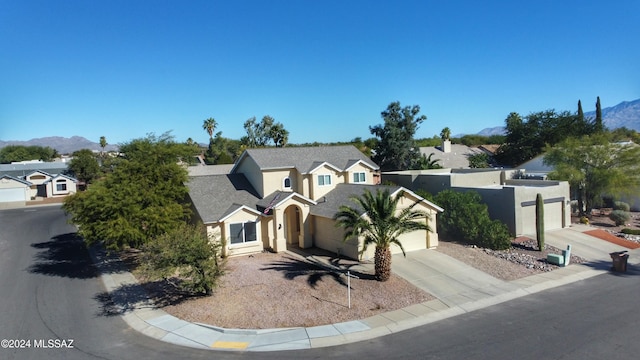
[540, 221]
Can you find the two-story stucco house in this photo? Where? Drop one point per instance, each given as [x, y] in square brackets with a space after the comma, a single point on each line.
[278, 197]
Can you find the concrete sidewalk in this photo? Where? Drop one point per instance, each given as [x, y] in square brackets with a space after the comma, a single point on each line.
[458, 288]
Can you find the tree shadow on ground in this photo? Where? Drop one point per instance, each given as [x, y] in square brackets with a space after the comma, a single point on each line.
[315, 271]
[129, 297]
[64, 255]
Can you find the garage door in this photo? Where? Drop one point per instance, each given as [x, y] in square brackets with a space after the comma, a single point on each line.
[552, 217]
[12, 195]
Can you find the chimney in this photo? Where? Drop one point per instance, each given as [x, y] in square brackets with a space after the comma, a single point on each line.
[446, 146]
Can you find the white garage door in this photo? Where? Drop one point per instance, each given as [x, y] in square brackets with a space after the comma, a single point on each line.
[12, 195]
[552, 217]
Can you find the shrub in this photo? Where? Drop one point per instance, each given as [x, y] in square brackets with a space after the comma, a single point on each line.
[620, 205]
[185, 253]
[466, 219]
[584, 220]
[620, 217]
[630, 231]
[494, 235]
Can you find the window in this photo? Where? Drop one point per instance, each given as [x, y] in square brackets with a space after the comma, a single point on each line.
[61, 185]
[324, 180]
[286, 183]
[358, 177]
[243, 232]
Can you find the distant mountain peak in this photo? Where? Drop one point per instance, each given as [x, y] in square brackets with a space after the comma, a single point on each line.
[61, 144]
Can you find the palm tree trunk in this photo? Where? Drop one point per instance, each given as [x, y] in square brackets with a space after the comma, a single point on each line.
[382, 262]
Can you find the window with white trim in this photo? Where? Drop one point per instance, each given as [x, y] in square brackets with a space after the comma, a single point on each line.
[286, 183]
[324, 180]
[242, 233]
[359, 177]
[61, 185]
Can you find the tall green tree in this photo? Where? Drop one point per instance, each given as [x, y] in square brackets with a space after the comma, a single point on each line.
[396, 148]
[103, 144]
[279, 135]
[377, 219]
[140, 199]
[84, 166]
[209, 125]
[598, 124]
[260, 133]
[426, 163]
[527, 138]
[580, 112]
[595, 166]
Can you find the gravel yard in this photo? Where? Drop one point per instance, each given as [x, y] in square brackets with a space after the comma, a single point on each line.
[269, 290]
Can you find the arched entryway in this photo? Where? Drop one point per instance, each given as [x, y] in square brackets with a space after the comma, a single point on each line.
[294, 226]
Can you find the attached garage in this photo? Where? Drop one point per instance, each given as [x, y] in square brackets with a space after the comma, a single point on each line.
[553, 215]
[13, 190]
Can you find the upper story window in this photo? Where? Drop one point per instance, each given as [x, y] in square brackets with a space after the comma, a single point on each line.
[286, 183]
[324, 180]
[359, 177]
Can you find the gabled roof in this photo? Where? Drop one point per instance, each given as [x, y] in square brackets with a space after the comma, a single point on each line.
[38, 171]
[61, 176]
[22, 169]
[278, 197]
[329, 205]
[25, 182]
[216, 197]
[306, 159]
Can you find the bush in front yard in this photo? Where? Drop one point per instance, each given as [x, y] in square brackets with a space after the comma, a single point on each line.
[466, 219]
[620, 205]
[186, 254]
[630, 231]
[620, 217]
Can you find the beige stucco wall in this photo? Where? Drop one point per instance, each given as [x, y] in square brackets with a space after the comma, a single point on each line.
[317, 191]
[358, 168]
[52, 188]
[253, 174]
[329, 237]
[419, 239]
[221, 231]
[273, 180]
[37, 178]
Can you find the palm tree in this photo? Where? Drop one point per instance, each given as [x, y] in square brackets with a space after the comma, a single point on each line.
[210, 126]
[377, 219]
[103, 143]
[445, 133]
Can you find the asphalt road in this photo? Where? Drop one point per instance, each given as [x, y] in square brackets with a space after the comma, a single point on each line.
[50, 293]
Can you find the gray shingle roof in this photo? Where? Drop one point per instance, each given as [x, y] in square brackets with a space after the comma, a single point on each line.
[307, 158]
[20, 170]
[341, 196]
[216, 196]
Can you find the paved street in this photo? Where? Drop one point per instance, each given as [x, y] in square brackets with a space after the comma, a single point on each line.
[51, 290]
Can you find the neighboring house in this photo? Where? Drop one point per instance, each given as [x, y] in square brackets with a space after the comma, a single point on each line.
[39, 183]
[273, 198]
[509, 200]
[14, 191]
[451, 156]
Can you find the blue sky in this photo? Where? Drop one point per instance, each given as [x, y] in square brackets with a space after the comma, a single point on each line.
[325, 69]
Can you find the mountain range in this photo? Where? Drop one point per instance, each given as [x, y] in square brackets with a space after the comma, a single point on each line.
[626, 114]
[62, 144]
